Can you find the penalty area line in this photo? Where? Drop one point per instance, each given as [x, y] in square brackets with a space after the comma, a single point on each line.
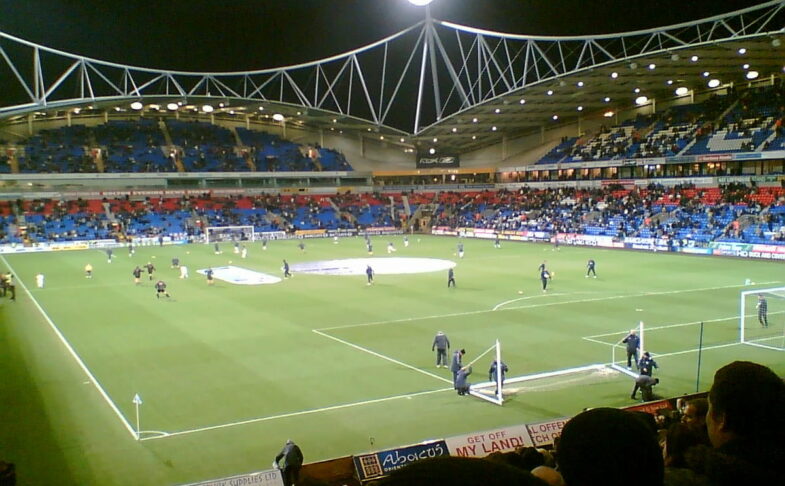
[74, 354]
[379, 355]
[296, 414]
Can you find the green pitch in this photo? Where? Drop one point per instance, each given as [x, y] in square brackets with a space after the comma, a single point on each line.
[227, 373]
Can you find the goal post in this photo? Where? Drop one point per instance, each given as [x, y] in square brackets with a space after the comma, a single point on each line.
[488, 390]
[218, 234]
[762, 318]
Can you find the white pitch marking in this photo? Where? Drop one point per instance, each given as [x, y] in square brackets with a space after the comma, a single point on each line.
[566, 302]
[524, 298]
[297, 414]
[379, 355]
[73, 353]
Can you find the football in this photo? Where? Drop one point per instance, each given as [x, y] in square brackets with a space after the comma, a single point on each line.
[520, 292]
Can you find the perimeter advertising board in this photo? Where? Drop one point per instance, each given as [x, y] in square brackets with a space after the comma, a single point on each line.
[379, 464]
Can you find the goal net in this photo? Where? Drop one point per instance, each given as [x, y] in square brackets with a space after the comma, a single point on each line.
[217, 234]
[500, 385]
[762, 318]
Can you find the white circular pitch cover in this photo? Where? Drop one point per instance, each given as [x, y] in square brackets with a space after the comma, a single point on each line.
[381, 266]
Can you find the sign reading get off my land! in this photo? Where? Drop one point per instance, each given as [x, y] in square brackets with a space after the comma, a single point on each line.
[483, 443]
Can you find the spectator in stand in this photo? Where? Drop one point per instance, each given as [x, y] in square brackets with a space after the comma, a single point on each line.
[609, 447]
[746, 428]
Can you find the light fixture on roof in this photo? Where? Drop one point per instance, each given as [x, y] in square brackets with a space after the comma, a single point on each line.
[493, 128]
[614, 75]
[420, 3]
[77, 110]
[474, 137]
[580, 108]
[681, 91]
[636, 90]
[775, 42]
[549, 92]
[431, 150]
[207, 108]
[137, 105]
[694, 58]
[403, 139]
[641, 100]
[706, 74]
[580, 84]
[745, 66]
[633, 65]
[669, 82]
[752, 74]
[674, 57]
[454, 130]
[474, 120]
[172, 106]
[652, 67]
[435, 139]
[608, 114]
[221, 105]
[714, 83]
[497, 110]
[523, 101]
[261, 108]
[279, 118]
[555, 117]
[606, 99]
[381, 137]
[742, 51]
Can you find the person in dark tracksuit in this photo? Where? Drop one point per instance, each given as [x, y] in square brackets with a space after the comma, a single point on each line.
[647, 364]
[369, 274]
[441, 344]
[289, 461]
[645, 383]
[461, 380]
[450, 278]
[633, 343]
[286, 273]
[493, 373]
[456, 365]
[545, 276]
[590, 269]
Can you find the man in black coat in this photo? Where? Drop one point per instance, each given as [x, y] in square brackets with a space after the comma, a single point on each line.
[289, 461]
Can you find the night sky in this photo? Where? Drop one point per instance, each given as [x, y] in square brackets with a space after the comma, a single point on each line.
[239, 35]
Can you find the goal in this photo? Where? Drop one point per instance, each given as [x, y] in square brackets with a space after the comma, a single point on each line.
[762, 318]
[217, 234]
[506, 386]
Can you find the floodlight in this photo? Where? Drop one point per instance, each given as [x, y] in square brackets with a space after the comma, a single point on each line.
[431, 150]
[641, 100]
[172, 106]
[775, 43]
[580, 84]
[745, 66]
[614, 75]
[608, 114]
[714, 83]
[207, 108]
[606, 99]
[420, 3]
[742, 51]
[523, 101]
[137, 105]
[555, 117]
[580, 108]
[652, 67]
[278, 117]
[681, 91]
[694, 59]
[752, 74]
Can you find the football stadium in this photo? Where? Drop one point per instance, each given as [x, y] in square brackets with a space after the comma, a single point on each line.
[445, 240]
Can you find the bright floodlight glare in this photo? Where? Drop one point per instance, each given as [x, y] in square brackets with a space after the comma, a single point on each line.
[555, 117]
[681, 91]
[614, 75]
[420, 3]
[172, 106]
[278, 117]
[207, 108]
[745, 66]
[641, 100]
[742, 51]
[714, 83]
[137, 105]
[432, 151]
[608, 114]
[752, 74]
[694, 59]
[580, 108]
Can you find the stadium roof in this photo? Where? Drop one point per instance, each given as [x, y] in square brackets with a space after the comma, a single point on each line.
[463, 87]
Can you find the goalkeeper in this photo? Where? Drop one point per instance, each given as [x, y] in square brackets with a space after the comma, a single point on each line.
[763, 311]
